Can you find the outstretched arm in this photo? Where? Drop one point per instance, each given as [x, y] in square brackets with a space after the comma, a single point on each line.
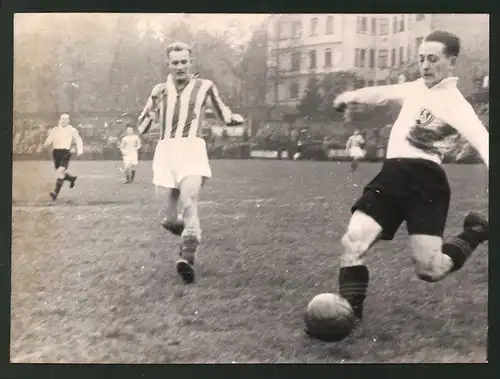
[373, 95]
[222, 110]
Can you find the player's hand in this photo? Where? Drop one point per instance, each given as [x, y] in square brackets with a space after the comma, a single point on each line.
[236, 119]
[341, 101]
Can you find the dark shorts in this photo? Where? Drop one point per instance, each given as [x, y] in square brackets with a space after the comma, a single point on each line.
[412, 190]
[61, 158]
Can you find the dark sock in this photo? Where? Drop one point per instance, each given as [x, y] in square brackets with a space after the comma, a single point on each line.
[353, 284]
[460, 248]
[59, 184]
[132, 174]
[68, 177]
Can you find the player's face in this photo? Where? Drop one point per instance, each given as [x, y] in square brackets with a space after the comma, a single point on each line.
[179, 63]
[130, 131]
[64, 120]
[434, 64]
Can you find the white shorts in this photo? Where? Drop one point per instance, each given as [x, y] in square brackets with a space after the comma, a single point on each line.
[130, 159]
[176, 158]
[357, 152]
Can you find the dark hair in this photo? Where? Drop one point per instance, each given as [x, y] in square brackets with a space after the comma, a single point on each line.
[450, 41]
[179, 46]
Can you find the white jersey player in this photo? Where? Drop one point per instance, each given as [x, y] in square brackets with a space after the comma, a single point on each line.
[61, 138]
[129, 147]
[412, 186]
[355, 148]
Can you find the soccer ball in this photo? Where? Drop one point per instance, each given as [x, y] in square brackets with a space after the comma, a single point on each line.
[329, 317]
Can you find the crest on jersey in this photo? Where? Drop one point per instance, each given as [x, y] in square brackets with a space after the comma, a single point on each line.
[425, 117]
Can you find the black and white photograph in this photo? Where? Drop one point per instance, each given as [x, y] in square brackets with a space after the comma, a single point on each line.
[250, 188]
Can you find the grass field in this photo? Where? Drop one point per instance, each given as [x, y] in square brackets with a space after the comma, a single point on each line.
[93, 278]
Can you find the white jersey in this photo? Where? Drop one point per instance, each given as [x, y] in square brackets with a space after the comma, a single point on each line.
[431, 120]
[62, 137]
[355, 141]
[130, 144]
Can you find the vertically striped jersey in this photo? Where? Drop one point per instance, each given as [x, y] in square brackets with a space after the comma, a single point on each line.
[180, 114]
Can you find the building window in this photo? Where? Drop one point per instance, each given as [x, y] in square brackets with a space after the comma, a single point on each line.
[314, 26]
[296, 29]
[362, 27]
[395, 24]
[328, 58]
[371, 83]
[371, 59]
[295, 61]
[374, 25]
[401, 55]
[420, 17]
[312, 59]
[362, 58]
[382, 58]
[418, 42]
[393, 58]
[294, 90]
[356, 57]
[402, 23]
[384, 26]
[381, 82]
[329, 25]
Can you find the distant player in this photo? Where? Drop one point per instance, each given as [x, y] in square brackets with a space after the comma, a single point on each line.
[129, 147]
[180, 163]
[412, 186]
[355, 148]
[61, 138]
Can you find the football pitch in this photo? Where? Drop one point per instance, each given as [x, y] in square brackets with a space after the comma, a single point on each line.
[94, 281]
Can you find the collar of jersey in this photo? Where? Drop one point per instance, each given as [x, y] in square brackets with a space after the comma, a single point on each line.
[445, 83]
[170, 81]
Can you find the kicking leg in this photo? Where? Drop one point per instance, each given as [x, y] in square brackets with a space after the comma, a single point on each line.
[362, 233]
[190, 188]
[434, 260]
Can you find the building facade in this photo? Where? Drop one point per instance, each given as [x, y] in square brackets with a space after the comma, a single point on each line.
[374, 46]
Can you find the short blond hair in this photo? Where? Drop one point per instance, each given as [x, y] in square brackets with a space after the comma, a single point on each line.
[179, 46]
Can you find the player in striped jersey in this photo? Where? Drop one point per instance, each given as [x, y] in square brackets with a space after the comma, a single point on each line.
[61, 138]
[180, 163]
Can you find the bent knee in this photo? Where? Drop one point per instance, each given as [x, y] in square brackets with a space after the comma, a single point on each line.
[431, 265]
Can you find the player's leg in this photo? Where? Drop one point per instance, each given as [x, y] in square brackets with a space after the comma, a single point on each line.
[65, 163]
[374, 217]
[191, 236]
[432, 258]
[133, 164]
[190, 187]
[57, 156]
[169, 204]
[126, 168]
[354, 163]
